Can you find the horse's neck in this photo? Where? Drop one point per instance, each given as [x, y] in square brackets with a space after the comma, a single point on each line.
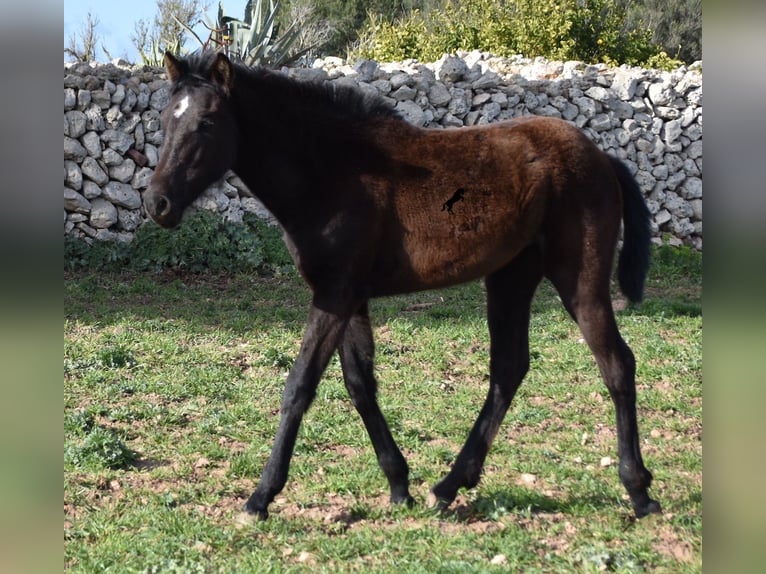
[272, 185]
[264, 162]
[285, 154]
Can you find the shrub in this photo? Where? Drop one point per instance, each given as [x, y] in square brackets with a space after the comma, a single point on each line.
[586, 30]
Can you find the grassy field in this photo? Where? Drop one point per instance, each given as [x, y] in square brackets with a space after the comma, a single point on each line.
[172, 385]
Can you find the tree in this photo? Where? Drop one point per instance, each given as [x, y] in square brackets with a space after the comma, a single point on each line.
[83, 43]
[676, 25]
[314, 32]
[166, 33]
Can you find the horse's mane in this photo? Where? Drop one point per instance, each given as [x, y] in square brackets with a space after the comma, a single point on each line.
[310, 98]
[318, 123]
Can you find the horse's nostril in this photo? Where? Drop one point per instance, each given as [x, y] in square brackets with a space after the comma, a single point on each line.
[162, 206]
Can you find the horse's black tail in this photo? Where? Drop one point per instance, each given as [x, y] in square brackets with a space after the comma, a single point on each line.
[634, 257]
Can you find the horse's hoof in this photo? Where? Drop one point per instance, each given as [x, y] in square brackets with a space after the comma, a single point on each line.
[437, 503]
[255, 513]
[651, 507]
[405, 500]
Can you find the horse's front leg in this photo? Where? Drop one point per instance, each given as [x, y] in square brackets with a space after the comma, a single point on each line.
[323, 332]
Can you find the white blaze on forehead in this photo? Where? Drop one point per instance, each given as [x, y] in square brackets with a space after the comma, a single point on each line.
[181, 107]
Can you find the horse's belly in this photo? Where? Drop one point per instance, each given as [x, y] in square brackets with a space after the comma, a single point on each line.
[460, 258]
[439, 256]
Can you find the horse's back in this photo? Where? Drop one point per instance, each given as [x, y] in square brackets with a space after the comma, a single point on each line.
[465, 201]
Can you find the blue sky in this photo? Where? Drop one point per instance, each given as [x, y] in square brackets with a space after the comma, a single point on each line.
[116, 23]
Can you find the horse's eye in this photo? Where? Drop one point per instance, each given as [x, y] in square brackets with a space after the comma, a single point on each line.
[205, 125]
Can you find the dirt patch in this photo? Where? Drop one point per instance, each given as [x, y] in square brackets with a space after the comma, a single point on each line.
[336, 514]
[559, 531]
[668, 544]
[333, 510]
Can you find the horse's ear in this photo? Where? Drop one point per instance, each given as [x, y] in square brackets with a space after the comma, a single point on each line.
[222, 72]
[173, 66]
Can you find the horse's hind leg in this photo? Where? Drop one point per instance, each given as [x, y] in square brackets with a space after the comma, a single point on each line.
[586, 296]
[356, 352]
[509, 297]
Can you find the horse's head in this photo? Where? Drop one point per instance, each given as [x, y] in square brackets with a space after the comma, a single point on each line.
[200, 136]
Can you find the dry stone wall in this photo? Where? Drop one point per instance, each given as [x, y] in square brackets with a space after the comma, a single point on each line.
[650, 119]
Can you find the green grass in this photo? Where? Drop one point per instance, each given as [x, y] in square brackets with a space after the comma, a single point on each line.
[172, 385]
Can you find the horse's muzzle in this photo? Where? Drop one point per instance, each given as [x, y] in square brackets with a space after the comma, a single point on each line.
[161, 209]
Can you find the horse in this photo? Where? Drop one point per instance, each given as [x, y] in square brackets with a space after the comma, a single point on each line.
[371, 205]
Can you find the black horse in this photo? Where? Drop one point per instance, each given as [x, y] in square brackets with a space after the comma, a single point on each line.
[372, 206]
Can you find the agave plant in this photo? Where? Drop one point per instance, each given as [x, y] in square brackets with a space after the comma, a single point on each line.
[155, 55]
[255, 40]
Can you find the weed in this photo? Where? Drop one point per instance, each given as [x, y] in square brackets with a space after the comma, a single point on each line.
[203, 243]
[99, 449]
